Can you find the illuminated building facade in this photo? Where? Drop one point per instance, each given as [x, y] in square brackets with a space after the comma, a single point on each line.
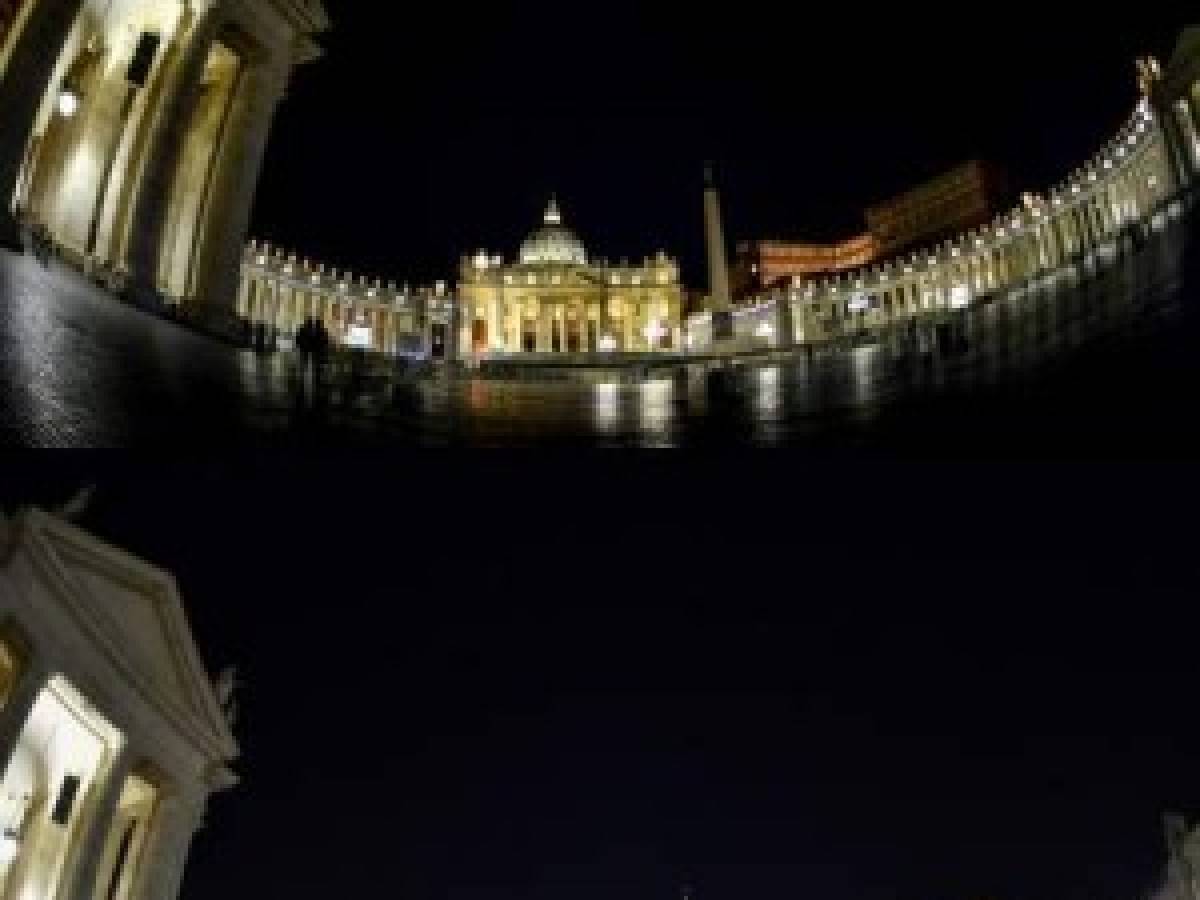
[553, 299]
[764, 263]
[965, 197]
[954, 201]
[113, 736]
[134, 131]
[1138, 180]
[279, 292]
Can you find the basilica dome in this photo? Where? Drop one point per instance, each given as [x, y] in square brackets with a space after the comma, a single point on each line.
[553, 242]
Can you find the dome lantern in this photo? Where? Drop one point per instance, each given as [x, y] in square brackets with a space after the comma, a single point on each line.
[553, 242]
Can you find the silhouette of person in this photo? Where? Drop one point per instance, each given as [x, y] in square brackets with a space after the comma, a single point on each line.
[304, 341]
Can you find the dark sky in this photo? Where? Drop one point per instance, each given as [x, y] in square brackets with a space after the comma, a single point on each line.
[429, 131]
[886, 683]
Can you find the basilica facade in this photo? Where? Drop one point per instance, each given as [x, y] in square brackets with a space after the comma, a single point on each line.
[554, 299]
[134, 131]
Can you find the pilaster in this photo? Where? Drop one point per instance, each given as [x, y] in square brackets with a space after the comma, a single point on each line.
[176, 822]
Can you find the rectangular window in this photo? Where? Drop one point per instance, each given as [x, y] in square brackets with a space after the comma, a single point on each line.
[529, 336]
[593, 329]
[556, 337]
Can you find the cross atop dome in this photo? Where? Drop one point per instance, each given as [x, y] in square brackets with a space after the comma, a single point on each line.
[552, 216]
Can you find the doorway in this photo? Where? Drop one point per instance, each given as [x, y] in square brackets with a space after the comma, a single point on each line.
[47, 797]
[479, 336]
[437, 341]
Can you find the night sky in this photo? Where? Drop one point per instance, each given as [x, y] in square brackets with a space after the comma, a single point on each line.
[429, 131]
[834, 681]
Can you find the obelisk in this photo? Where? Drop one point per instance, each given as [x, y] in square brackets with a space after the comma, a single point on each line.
[720, 301]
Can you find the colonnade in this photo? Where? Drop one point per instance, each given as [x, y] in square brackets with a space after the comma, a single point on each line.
[135, 131]
[1130, 184]
[279, 292]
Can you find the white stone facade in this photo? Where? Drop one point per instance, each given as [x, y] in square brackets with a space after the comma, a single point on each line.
[113, 735]
[279, 291]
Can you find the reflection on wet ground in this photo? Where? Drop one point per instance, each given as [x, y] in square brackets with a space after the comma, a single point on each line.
[1097, 360]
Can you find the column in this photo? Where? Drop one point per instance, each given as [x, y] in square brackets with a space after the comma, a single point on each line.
[1188, 131]
[243, 305]
[496, 336]
[604, 323]
[786, 326]
[1172, 133]
[232, 193]
[166, 142]
[1193, 101]
[176, 822]
[1087, 227]
[87, 856]
[23, 85]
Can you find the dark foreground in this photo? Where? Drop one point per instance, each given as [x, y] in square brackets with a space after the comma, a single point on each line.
[1101, 363]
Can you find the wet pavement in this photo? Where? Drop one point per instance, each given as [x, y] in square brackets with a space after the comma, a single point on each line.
[1097, 361]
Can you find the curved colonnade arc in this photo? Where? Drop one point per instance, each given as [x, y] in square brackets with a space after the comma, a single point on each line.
[279, 292]
[1131, 182]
